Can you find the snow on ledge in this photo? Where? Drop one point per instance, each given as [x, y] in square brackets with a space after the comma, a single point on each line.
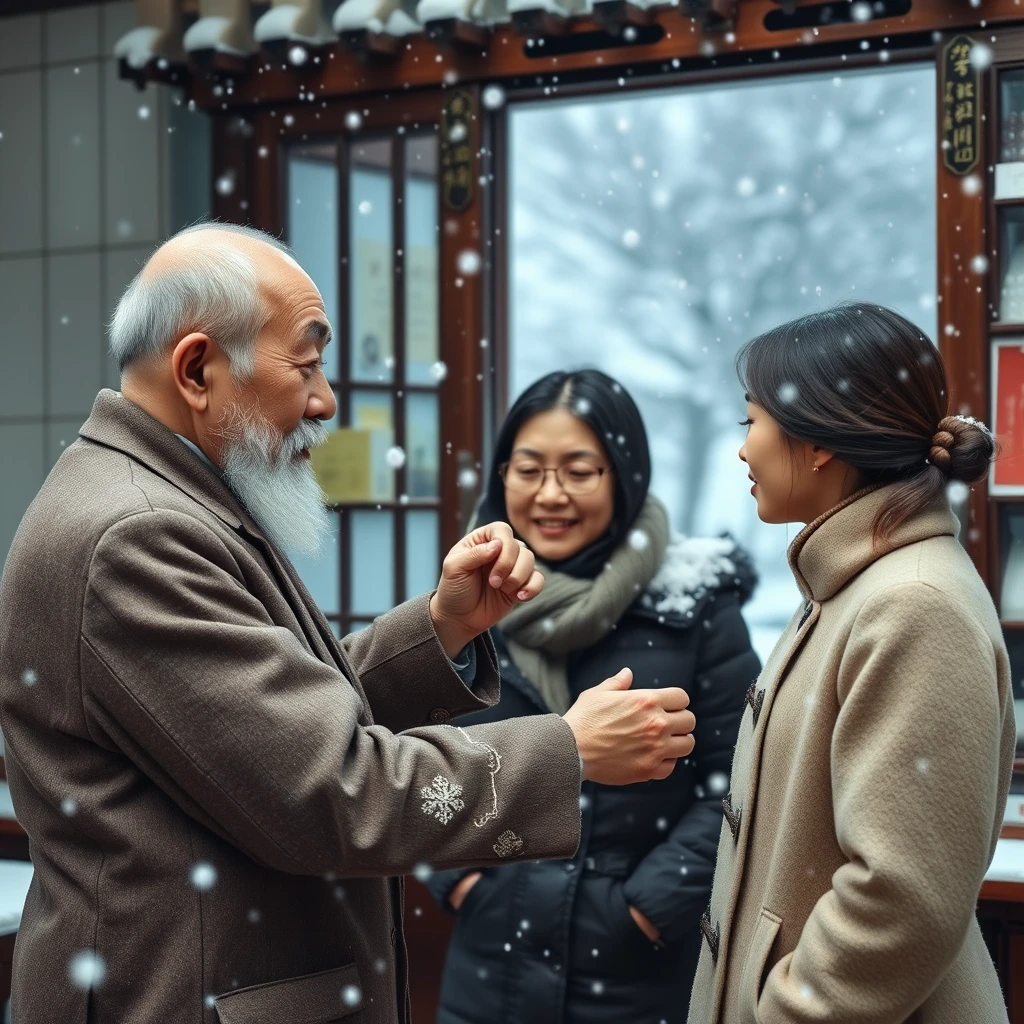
[205, 34]
[353, 15]
[566, 9]
[437, 10]
[401, 24]
[138, 47]
[279, 23]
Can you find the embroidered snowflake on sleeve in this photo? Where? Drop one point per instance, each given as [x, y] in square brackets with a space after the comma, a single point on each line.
[442, 799]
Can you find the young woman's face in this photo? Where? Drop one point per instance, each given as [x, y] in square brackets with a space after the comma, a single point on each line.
[784, 482]
[558, 513]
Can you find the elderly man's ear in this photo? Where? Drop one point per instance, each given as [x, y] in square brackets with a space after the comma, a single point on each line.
[193, 364]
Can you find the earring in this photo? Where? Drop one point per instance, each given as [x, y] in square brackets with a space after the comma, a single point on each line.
[815, 469]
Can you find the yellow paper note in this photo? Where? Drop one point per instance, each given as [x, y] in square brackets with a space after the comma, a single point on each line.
[342, 466]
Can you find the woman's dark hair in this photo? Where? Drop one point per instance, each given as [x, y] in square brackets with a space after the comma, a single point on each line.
[606, 407]
[865, 383]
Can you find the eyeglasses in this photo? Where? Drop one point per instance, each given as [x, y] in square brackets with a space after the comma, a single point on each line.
[573, 478]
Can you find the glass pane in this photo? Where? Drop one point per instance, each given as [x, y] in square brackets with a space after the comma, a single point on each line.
[336, 628]
[1011, 261]
[313, 226]
[1011, 562]
[422, 318]
[335, 420]
[372, 410]
[373, 562]
[1015, 648]
[656, 269]
[1011, 116]
[422, 557]
[422, 445]
[358, 627]
[371, 265]
[322, 575]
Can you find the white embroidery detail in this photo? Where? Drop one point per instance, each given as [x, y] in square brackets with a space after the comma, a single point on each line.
[493, 766]
[442, 799]
[508, 843]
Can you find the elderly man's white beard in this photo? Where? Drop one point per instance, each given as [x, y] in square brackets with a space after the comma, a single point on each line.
[277, 487]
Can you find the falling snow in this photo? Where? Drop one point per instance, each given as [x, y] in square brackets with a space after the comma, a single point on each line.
[87, 969]
[204, 876]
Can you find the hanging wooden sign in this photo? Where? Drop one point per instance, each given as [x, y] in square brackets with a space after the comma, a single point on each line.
[961, 116]
[457, 152]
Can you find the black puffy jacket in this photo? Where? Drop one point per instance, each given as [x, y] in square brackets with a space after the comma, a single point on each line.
[553, 941]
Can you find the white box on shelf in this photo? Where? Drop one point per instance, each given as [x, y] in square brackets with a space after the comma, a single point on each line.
[1009, 182]
[1014, 809]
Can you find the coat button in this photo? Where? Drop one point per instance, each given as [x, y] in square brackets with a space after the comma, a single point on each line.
[439, 715]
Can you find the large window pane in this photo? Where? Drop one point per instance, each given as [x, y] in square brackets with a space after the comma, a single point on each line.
[372, 410]
[322, 575]
[373, 562]
[652, 236]
[422, 443]
[422, 557]
[313, 226]
[422, 343]
[371, 264]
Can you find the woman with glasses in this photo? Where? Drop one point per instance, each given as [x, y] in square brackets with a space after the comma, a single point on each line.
[614, 934]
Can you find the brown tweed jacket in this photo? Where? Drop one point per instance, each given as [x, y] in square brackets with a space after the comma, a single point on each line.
[218, 794]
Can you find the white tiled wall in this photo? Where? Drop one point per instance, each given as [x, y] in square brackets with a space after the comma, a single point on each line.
[91, 179]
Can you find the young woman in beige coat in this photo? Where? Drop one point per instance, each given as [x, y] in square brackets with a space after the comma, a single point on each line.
[870, 777]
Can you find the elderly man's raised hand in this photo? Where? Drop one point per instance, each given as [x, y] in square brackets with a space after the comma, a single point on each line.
[484, 576]
[626, 735]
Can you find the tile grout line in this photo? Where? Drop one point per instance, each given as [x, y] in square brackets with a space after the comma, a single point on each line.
[44, 80]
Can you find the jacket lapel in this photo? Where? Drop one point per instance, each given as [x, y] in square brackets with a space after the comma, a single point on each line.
[118, 423]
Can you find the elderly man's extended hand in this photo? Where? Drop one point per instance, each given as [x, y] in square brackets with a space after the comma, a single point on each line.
[484, 576]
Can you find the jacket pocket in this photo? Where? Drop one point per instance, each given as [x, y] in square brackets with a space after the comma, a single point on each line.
[474, 894]
[756, 963]
[312, 999]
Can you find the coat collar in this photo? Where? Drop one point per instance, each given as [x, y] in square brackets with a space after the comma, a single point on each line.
[119, 423]
[829, 552]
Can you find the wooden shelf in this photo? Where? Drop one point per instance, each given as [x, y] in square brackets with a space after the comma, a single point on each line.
[1008, 202]
[998, 327]
[1013, 627]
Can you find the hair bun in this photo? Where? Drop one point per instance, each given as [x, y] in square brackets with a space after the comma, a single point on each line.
[962, 448]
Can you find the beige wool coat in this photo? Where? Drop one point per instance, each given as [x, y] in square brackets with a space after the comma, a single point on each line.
[213, 787]
[867, 791]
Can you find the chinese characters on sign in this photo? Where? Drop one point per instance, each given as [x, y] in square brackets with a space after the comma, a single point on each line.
[457, 152]
[961, 121]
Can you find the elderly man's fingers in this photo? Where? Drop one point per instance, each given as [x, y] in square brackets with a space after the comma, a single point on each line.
[507, 557]
[521, 571]
[673, 698]
[468, 554]
[681, 723]
[532, 588]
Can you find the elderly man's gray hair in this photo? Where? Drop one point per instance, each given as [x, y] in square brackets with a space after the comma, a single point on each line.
[215, 292]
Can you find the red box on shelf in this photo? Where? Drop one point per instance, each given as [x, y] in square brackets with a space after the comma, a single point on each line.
[1007, 476]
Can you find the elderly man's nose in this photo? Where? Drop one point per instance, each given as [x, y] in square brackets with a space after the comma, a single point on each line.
[322, 403]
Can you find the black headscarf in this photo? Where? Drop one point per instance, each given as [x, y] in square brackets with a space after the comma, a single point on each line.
[606, 407]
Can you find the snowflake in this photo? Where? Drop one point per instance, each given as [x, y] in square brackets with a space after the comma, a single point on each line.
[442, 799]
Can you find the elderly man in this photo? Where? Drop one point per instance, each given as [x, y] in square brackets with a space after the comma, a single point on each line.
[219, 795]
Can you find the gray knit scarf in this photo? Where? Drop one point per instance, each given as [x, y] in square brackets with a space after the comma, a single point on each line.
[570, 614]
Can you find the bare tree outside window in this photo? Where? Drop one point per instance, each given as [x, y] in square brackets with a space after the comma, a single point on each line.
[652, 235]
